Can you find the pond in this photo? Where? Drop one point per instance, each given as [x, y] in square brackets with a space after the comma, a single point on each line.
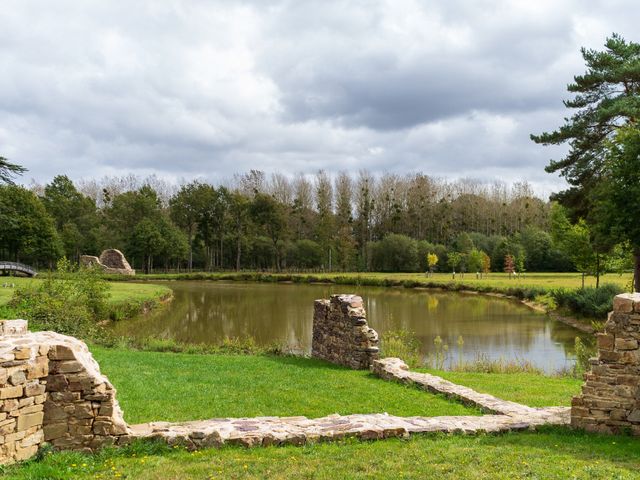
[207, 312]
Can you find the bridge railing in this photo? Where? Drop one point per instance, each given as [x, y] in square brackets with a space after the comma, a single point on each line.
[17, 267]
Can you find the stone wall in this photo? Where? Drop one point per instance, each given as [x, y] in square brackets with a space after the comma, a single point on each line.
[110, 261]
[610, 400]
[51, 389]
[341, 334]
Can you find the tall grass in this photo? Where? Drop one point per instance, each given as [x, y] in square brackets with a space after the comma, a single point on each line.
[402, 344]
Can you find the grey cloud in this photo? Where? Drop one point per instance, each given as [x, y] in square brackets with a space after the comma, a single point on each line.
[205, 88]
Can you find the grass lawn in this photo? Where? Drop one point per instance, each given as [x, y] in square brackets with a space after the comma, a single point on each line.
[495, 280]
[167, 386]
[120, 292]
[177, 387]
[553, 453]
[526, 388]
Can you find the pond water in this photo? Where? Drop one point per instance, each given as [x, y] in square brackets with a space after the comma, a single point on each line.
[207, 312]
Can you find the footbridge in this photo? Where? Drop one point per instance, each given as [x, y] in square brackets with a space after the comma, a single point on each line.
[15, 267]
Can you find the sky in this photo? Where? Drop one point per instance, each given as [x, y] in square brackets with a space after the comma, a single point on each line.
[206, 89]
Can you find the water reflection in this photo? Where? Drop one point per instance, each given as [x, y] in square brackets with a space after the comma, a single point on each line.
[206, 312]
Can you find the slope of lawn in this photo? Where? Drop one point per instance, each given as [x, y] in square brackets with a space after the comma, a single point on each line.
[177, 387]
[553, 453]
[526, 388]
[119, 292]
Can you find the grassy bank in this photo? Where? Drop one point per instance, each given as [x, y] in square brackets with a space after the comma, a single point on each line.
[124, 299]
[493, 281]
[526, 388]
[557, 292]
[550, 454]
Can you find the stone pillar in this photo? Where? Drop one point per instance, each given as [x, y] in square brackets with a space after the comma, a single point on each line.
[23, 371]
[341, 334]
[610, 400]
[51, 389]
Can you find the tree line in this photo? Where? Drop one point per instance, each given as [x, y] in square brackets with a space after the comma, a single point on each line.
[341, 223]
[362, 222]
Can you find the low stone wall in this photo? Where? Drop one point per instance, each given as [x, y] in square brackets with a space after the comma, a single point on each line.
[341, 334]
[51, 389]
[610, 400]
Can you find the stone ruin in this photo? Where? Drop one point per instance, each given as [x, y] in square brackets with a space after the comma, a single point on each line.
[610, 399]
[341, 334]
[51, 390]
[110, 261]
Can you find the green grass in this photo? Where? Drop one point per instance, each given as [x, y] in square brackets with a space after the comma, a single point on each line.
[526, 388]
[178, 387]
[120, 292]
[554, 453]
[498, 281]
[167, 386]
[136, 292]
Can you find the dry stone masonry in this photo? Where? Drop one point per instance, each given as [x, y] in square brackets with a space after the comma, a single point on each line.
[110, 261]
[51, 389]
[610, 400]
[341, 334]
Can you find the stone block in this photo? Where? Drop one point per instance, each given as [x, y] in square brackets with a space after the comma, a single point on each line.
[34, 439]
[626, 344]
[623, 303]
[25, 453]
[17, 378]
[61, 352]
[11, 392]
[69, 366]
[33, 389]
[57, 383]
[31, 409]
[22, 353]
[605, 341]
[30, 420]
[25, 402]
[9, 405]
[55, 430]
[7, 426]
[38, 369]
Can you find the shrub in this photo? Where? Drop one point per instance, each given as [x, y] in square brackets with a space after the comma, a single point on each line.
[72, 302]
[590, 302]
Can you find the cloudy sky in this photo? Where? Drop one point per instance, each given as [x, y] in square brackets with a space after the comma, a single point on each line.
[202, 88]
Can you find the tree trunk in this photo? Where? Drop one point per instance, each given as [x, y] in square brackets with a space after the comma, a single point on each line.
[238, 247]
[190, 249]
[597, 270]
[275, 244]
[583, 280]
[636, 270]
